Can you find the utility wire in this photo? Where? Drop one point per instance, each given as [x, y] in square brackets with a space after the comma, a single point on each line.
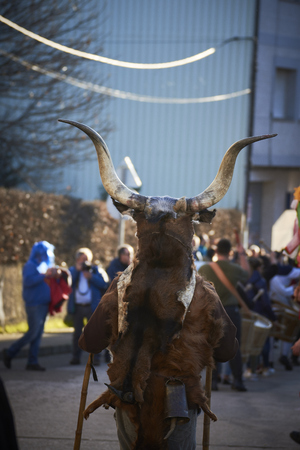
[114, 62]
[116, 92]
[103, 59]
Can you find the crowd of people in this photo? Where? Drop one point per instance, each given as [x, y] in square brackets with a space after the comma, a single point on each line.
[45, 287]
[267, 284]
[251, 280]
[262, 282]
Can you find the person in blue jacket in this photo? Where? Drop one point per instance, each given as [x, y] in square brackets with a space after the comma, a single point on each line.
[36, 294]
[89, 283]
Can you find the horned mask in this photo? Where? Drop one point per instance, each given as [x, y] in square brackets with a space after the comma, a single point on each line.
[154, 208]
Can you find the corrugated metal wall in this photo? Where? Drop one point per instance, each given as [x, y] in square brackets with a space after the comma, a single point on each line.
[175, 148]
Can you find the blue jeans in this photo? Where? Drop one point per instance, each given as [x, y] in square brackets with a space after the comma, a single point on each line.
[236, 364]
[36, 316]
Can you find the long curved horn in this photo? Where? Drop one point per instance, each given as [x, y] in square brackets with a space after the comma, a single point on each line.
[111, 182]
[218, 188]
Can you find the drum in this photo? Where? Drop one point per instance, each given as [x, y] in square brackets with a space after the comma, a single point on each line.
[255, 330]
[289, 324]
[262, 329]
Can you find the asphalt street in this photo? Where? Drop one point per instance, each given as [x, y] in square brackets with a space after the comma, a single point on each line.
[45, 405]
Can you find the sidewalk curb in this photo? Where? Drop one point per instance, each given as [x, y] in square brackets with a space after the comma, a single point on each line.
[51, 344]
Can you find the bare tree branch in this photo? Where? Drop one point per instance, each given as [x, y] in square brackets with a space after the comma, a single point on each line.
[33, 144]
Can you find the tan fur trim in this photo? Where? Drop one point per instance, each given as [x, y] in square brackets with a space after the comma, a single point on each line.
[123, 282]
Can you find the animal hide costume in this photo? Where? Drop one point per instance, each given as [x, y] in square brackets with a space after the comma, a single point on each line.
[153, 349]
[161, 321]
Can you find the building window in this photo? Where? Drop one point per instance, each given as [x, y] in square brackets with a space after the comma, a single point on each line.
[289, 197]
[284, 94]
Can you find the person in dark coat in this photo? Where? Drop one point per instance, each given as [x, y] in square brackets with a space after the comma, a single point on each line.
[89, 282]
[257, 287]
[119, 264]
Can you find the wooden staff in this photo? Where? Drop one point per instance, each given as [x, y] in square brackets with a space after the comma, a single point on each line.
[84, 392]
[206, 418]
[265, 245]
[237, 236]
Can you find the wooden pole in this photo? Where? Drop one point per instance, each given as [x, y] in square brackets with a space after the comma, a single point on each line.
[206, 418]
[265, 245]
[84, 392]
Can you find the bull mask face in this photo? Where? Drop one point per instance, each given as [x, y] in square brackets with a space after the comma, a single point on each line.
[156, 208]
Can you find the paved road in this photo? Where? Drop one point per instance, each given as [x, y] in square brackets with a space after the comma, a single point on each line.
[45, 407]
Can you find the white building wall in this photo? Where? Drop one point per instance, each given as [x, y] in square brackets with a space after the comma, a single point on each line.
[176, 149]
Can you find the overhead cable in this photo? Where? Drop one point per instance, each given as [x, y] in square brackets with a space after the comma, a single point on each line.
[102, 59]
[121, 94]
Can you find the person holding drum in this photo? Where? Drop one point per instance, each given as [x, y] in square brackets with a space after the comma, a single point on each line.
[225, 274]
